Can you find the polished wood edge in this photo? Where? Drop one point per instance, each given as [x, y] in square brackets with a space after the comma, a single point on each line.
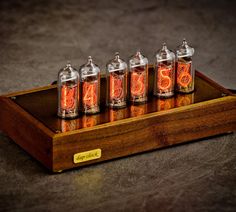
[213, 83]
[149, 115]
[14, 107]
[18, 93]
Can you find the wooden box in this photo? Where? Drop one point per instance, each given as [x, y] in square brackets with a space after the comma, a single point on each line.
[29, 118]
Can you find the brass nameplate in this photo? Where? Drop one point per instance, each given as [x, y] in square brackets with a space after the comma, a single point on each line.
[88, 155]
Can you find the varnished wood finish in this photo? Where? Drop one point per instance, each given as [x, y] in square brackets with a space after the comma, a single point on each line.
[26, 131]
[18, 93]
[29, 118]
[152, 131]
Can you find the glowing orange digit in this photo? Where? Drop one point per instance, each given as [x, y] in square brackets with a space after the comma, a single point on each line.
[90, 94]
[137, 84]
[67, 97]
[184, 77]
[164, 81]
[116, 90]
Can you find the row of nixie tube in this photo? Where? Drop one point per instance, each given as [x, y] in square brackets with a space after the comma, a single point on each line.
[81, 90]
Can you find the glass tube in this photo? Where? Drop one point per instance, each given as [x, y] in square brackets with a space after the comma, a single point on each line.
[68, 91]
[116, 82]
[164, 82]
[90, 87]
[138, 79]
[184, 71]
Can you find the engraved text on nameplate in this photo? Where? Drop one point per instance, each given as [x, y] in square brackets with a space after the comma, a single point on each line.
[88, 155]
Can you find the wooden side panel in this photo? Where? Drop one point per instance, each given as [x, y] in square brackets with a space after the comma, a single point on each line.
[158, 130]
[26, 131]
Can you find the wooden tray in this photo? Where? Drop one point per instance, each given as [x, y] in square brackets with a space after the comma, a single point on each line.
[29, 118]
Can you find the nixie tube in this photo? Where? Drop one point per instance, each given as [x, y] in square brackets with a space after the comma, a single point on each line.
[138, 78]
[184, 71]
[68, 91]
[90, 87]
[116, 82]
[164, 81]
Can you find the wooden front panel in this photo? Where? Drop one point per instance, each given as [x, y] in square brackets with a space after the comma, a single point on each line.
[146, 133]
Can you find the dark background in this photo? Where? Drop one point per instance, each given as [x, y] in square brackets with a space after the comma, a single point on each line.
[37, 38]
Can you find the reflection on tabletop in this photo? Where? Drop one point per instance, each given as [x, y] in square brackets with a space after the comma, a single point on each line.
[111, 115]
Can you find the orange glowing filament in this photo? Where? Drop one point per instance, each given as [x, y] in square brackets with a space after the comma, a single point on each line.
[116, 87]
[164, 81]
[137, 83]
[90, 94]
[68, 97]
[184, 77]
